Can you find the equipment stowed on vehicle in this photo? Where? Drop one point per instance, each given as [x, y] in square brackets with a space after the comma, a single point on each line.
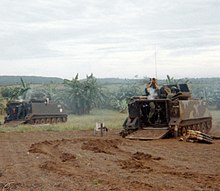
[35, 111]
[197, 136]
[167, 115]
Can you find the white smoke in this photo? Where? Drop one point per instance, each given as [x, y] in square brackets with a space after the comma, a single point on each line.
[152, 94]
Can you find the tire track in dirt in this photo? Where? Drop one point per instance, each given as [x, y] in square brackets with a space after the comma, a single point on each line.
[145, 163]
[107, 164]
[67, 164]
[58, 161]
[112, 147]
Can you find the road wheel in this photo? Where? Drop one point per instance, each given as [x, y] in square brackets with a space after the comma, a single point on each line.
[64, 119]
[208, 126]
[53, 120]
[43, 121]
[203, 127]
[32, 122]
[48, 120]
[37, 121]
[184, 131]
[194, 127]
[59, 120]
[198, 126]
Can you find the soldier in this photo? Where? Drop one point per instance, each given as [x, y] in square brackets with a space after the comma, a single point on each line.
[152, 89]
[147, 88]
[153, 84]
[151, 113]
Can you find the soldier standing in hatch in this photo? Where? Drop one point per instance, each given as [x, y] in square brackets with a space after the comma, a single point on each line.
[153, 84]
[153, 91]
[152, 88]
[146, 89]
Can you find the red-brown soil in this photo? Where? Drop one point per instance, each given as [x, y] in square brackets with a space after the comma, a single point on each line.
[77, 160]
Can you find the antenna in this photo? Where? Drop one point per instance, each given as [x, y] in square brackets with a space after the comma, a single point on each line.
[155, 60]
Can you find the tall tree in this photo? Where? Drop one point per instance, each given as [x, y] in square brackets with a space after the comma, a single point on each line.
[173, 81]
[119, 99]
[2, 105]
[14, 93]
[82, 95]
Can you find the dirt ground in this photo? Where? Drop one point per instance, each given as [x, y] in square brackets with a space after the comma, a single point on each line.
[77, 160]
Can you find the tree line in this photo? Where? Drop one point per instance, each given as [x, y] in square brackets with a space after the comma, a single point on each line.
[77, 96]
[81, 96]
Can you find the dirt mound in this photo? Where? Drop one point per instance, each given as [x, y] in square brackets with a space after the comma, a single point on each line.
[102, 146]
[145, 156]
[139, 160]
[67, 157]
[141, 156]
[51, 149]
[42, 147]
[60, 168]
[60, 161]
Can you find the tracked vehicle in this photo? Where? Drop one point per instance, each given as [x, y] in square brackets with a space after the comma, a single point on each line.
[40, 111]
[171, 113]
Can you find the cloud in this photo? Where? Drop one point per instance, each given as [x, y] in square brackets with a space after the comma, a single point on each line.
[115, 38]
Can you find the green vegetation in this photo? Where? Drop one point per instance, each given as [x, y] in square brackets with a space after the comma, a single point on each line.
[118, 99]
[94, 100]
[81, 96]
[173, 81]
[16, 92]
[112, 119]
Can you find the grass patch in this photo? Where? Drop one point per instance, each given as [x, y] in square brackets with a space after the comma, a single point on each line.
[112, 119]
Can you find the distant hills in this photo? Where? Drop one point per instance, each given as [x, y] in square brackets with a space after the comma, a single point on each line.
[12, 80]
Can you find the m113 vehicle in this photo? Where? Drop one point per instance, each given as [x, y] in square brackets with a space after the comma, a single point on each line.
[40, 111]
[172, 113]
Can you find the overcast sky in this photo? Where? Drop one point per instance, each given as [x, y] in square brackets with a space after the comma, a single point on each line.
[110, 38]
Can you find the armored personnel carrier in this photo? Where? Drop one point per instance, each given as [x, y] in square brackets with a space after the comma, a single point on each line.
[38, 111]
[171, 113]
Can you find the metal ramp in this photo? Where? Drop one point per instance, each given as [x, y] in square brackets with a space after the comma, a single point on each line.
[13, 123]
[150, 133]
